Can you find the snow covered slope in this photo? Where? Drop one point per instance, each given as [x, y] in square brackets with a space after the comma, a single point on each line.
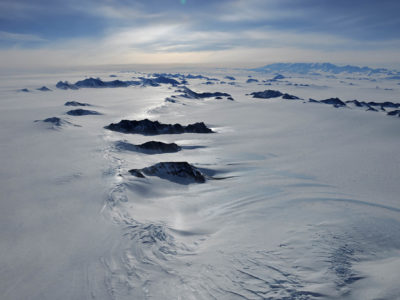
[300, 202]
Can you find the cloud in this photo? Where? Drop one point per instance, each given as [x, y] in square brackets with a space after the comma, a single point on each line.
[19, 37]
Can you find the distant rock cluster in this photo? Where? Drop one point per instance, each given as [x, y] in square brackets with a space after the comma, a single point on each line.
[335, 102]
[98, 83]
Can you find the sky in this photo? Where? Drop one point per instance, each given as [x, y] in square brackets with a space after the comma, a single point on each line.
[37, 33]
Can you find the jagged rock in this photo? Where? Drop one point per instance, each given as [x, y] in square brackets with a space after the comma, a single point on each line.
[151, 147]
[56, 122]
[188, 93]
[148, 82]
[65, 85]
[394, 113]
[357, 103]
[336, 102]
[166, 80]
[278, 77]
[53, 120]
[267, 94]
[230, 98]
[386, 104]
[82, 112]
[76, 103]
[44, 89]
[178, 172]
[289, 97]
[159, 147]
[147, 127]
[136, 173]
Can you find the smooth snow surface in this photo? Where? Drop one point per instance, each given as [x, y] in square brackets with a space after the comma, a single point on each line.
[303, 201]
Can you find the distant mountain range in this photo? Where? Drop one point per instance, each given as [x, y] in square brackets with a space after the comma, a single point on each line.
[307, 68]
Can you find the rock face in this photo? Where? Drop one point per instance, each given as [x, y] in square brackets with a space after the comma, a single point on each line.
[76, 103]
[147, 127]
[268, 94]
[178, 172]
[82, 112]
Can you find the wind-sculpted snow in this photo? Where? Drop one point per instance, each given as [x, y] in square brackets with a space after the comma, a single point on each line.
[308, 208]
[152, 147]
[178, 172]
[148, 127]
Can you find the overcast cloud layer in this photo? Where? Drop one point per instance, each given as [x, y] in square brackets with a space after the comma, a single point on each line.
[54, 32]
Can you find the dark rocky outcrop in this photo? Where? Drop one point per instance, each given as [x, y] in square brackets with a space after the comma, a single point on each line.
[289, 97]
[159, 147]
[165, 80]
[268, 94]
[147, 127]
[24, 90]
[230, 77]
[44, 89]
[65, 85]
[56, 122]
[178, 172]
[250, 80]
[76, 103]
[152, 147]
[336, 102]
[188, 93]
[394, 113]
[82, 112]
[53, 120]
